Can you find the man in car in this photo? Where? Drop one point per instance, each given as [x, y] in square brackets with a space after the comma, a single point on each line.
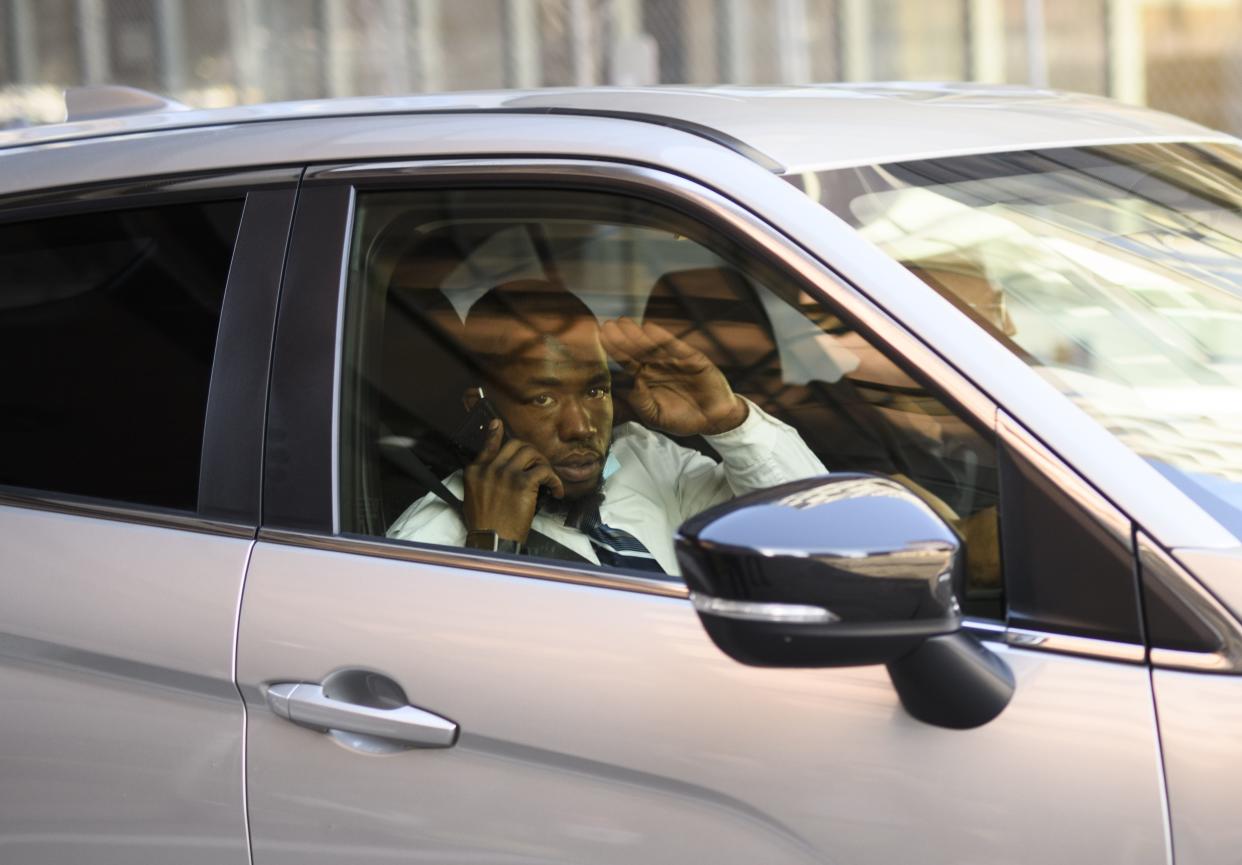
[552, 466]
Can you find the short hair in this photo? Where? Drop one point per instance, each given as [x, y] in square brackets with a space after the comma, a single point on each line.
[545, 308]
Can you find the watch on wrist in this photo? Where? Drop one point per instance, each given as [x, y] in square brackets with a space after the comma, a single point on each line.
[487, 539]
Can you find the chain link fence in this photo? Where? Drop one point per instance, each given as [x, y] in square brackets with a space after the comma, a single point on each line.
[1184, 56]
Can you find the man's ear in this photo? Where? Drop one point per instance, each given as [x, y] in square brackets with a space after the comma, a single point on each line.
[470, 397]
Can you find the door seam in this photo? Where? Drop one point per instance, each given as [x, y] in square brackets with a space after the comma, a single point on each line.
[245, 725]
[1166, 808]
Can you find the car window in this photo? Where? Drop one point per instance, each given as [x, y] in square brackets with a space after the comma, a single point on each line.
[468, 305]
[107, 330]
[1112, 271]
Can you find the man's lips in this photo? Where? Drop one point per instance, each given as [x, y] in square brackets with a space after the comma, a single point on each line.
[577, 469]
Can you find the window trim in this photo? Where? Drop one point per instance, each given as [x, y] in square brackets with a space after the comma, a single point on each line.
[248, 290]
[1067, 587]
[230, 481]
[125, 512]
[299, 452]
[496, 563]
[142, 192]
[1158, 567]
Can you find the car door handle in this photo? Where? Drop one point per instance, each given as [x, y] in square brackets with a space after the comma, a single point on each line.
[308, 705]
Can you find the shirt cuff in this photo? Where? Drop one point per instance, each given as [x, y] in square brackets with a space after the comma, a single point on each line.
[744, 432]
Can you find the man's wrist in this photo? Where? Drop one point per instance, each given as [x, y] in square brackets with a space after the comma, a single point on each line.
[491, 541]
[734, 420]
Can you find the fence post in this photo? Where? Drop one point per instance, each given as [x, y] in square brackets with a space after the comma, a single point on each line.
[522, 57]
[582, 35]
[244, 31]
[396, 38]
[170, 43]
[855, 24]
[735, 64]
[791, 47]
[985, 34]
[337, 57]
[633, 57]
[1127, 79]
[23, 42]
[430, 55]
[1036, 47]
[93, 41]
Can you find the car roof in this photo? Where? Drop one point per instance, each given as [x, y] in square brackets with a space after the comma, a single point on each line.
[785, 128]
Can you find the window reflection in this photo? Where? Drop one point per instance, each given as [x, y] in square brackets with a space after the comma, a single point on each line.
[1114, 271]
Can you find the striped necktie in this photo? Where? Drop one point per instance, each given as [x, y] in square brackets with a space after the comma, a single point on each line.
[616, 547]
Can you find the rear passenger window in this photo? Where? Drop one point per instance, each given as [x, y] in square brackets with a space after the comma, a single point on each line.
[107, 331]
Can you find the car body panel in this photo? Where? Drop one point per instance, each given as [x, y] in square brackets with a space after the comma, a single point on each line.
[1220, 571]
[1200, 716]
[122, 726]
[603, 726]
[320, 140]
[797, 127]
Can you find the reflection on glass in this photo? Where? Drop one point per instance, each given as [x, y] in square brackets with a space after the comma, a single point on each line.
[814, 497]
[1115, 271]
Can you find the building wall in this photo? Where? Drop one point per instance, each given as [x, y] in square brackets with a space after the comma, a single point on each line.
[1180, 55]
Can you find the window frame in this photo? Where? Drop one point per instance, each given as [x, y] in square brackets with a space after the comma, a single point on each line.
[301, 492]
[230, 461]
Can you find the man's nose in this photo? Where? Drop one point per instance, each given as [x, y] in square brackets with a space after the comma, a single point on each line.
[575, 421]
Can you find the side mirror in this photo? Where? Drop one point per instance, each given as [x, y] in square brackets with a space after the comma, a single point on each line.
[844, 570]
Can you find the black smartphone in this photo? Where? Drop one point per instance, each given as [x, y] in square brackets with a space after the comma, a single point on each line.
[472, 435]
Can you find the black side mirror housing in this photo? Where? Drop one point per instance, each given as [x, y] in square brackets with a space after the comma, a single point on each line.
[843, 570]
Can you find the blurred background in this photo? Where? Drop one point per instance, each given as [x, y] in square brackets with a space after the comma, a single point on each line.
[1183, 56]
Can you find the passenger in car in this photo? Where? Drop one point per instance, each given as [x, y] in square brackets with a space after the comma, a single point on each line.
[553, 475]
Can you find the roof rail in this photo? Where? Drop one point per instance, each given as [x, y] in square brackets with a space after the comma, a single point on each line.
[711, 133]
[112, 100]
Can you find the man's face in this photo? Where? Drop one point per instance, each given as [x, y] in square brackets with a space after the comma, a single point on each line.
[554, 392]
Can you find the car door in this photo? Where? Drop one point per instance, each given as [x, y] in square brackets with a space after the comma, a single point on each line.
[564, 712]
[135, 328]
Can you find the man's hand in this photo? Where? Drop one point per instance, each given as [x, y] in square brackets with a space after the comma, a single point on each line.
[677, 389]
[502, 486]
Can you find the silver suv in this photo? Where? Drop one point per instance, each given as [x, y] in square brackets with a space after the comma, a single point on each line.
[912, 417]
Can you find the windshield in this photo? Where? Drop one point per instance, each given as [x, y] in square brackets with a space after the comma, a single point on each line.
[1116, 272]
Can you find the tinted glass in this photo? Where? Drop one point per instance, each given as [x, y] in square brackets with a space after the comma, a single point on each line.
[107, 330]
[423, 267]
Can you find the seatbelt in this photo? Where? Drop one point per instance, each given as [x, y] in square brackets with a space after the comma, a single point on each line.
[537, 543]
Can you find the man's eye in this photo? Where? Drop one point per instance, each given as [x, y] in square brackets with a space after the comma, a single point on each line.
[598, 392]
[543, 400]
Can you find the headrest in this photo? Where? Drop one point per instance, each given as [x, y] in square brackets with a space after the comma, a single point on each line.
[714, 309]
